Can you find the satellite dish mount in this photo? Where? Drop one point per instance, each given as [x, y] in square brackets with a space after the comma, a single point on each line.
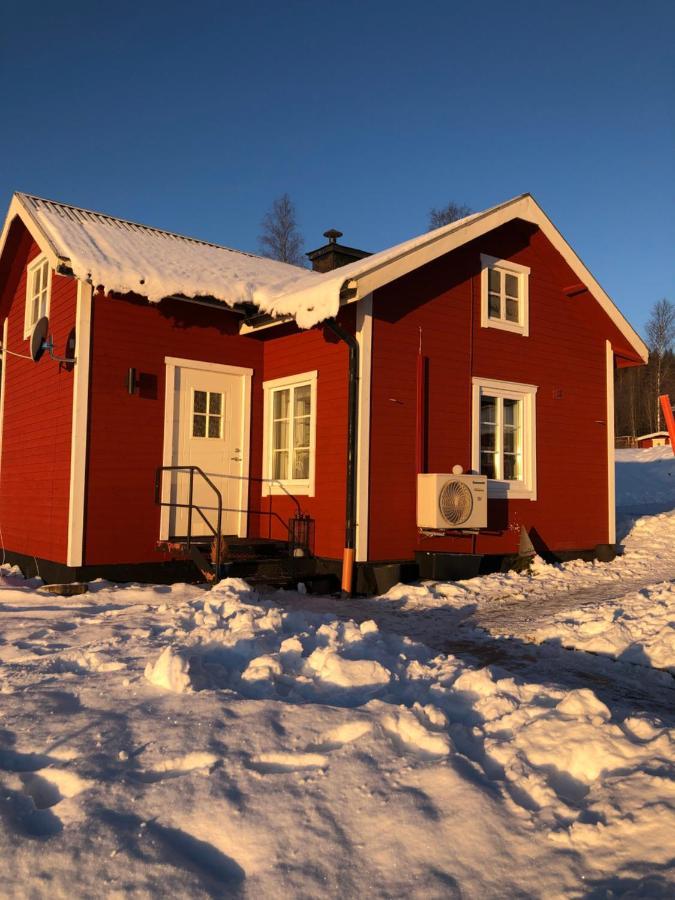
[40, 341]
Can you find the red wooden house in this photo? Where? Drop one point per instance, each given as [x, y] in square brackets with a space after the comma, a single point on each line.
[311, 399]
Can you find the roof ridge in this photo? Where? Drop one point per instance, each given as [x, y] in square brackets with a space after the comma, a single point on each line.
[174, 234]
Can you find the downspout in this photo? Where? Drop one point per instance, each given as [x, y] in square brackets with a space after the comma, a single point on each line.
[352, 438]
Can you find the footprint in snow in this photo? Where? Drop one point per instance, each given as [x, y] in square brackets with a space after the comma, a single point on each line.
[279, 761]
[203, 763]
[338, 737]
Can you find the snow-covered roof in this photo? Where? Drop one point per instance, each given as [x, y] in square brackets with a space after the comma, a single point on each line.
[654, 434]
[126, 257]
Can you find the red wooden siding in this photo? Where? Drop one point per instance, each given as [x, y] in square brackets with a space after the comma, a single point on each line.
[291, 354]
[126, 433]
[564, 356]
[35, 468]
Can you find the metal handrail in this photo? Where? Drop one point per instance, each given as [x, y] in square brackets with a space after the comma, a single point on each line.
[190, 506]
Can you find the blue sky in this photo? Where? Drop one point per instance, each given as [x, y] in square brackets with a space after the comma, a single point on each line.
[194, 116]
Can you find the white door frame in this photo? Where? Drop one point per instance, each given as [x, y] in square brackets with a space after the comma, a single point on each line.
[171, 412]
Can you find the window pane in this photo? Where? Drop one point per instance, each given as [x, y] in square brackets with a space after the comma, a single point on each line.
[301, 433]
[215, 404]
[494, 280]
[510, 467]
[511, 310]
[214, 426]
[487, 465]
[511, 285]
[302, 400]
[301, 464]
[511, 411]
[488, 409]
[493, 306]
[280, 408]
[198, 426]
[36, 310]
[280, 465]
[280, 435]
[199, 402]
[37, 280]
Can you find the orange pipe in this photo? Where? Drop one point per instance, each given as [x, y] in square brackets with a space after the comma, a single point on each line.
[347, 570]
[667, 409]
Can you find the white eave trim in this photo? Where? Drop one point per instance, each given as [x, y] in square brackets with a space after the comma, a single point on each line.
[18, 209]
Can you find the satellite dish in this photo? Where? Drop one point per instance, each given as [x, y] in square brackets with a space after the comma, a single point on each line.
[38, 338]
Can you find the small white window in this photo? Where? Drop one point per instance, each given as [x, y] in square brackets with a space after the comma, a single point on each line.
[38, 290]
[290, 434]
[504, 437]
[504, 295]
[207, 414]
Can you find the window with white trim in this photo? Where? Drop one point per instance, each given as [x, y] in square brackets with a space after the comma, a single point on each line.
[504, 437]
[208, 410]
[38, 290]
[504, 295]
[290, 434]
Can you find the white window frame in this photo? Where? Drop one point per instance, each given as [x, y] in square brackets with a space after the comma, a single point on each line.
[30, 296]
[526, 488]
[304, 487]
[522, 273]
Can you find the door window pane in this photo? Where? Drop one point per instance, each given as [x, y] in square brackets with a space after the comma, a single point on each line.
[198, 426]
[200, 402]
[207, 414]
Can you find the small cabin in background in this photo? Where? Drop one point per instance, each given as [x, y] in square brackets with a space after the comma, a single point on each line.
[655, 439]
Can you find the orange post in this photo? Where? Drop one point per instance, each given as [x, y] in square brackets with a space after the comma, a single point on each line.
[347, 570]
[667, 409]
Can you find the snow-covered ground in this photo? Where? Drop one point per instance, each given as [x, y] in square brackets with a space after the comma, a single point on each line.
[172, 741]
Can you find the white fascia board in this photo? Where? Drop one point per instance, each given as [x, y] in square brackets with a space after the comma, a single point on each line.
[17, 209]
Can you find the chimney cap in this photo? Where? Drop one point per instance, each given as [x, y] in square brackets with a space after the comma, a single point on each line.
[332, 234]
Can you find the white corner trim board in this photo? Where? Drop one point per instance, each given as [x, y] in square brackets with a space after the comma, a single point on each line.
[5, 329]
[79, 427]
[611, 487]
[364, 337]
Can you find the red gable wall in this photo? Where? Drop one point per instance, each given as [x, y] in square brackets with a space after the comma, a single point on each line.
[35, 465]
[564, 356]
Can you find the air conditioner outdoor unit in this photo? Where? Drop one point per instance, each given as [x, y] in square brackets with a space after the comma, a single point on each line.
[451, 501]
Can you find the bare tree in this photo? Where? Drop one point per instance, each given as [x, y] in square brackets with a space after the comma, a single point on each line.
[447, 214]
[660, 338]
[280, 238]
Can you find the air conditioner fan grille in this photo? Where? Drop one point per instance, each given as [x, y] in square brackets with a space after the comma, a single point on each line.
[455, 502]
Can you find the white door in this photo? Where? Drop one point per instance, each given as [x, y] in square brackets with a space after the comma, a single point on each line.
[209, 422]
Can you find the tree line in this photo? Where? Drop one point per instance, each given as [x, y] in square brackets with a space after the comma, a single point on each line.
[637, 388]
